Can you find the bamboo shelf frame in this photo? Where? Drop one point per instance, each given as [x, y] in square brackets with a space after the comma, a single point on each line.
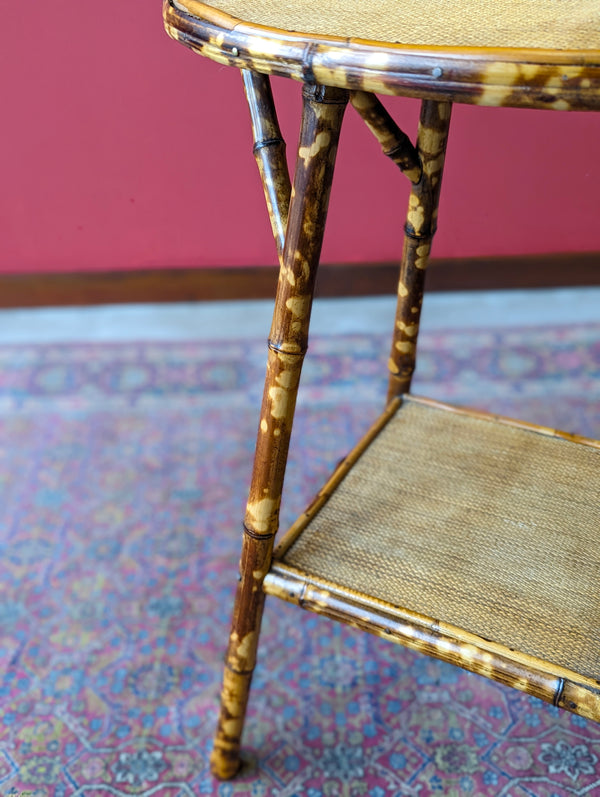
[329, 572]
[442, 575]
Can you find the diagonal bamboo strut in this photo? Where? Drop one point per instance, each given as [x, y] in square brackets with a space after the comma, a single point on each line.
[269, 146]
[394, 142]
[269, 151]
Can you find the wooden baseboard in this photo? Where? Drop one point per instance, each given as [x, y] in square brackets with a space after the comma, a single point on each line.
[351, 279]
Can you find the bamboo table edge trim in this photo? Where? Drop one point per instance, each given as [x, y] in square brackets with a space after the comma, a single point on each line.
[553, 79]
[552, 683]
[504, 420]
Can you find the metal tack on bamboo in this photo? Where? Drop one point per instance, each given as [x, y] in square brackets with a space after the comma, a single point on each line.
[323, 111]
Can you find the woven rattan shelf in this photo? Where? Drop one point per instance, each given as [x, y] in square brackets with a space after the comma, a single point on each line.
[469, 528]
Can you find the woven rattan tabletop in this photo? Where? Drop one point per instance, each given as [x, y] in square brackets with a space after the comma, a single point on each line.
[547, 24]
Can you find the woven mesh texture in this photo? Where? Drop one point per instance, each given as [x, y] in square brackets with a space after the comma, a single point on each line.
[553, 24]
[488, 527]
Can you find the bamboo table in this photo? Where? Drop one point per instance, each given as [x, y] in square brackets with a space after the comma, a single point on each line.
[466, 536]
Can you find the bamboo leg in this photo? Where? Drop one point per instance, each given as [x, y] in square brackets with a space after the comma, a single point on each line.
[420, 227]
[321, 122]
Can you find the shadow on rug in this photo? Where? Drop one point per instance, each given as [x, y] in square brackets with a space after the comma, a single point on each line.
[123, 473]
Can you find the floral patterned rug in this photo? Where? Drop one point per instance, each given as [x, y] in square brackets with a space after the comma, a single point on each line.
[123, 472]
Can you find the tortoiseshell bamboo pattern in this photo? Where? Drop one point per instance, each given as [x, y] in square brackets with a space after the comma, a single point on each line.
[549, 682]
[394, 142]
[527, 78]
[269, 151]
[421, 222]
[323, 110]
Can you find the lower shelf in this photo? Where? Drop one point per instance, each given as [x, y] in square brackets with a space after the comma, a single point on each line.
[470, 537]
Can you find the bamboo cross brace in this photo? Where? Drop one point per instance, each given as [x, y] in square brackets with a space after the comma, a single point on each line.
[269, 151]
[394, 141]
[323, 110]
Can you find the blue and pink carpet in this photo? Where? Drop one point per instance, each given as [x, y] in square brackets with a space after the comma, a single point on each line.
[123, 473]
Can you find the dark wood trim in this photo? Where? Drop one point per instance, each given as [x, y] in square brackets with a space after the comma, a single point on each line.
[258, 282]
[565, 269]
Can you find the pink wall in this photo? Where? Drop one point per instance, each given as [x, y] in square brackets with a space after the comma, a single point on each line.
[121, 149]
